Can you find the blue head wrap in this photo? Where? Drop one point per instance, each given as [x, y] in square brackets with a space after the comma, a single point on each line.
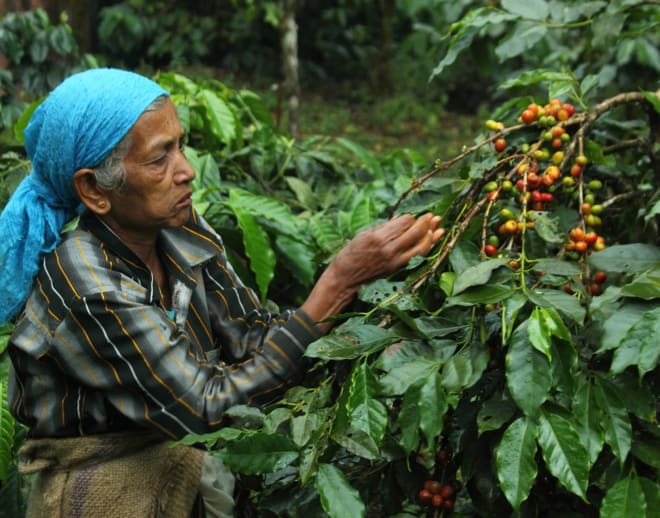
[76, 127]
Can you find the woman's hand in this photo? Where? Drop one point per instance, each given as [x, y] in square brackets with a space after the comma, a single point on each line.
[371, 254]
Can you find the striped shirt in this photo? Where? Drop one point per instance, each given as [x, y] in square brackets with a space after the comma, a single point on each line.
[96, 351]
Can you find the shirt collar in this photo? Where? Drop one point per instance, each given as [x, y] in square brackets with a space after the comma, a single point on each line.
[184, 248]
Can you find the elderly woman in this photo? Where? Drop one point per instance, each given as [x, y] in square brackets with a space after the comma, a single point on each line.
[136, 329]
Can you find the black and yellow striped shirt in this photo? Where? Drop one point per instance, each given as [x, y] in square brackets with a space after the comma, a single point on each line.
[96, 351]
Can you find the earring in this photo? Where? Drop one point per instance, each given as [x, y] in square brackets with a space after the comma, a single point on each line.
[101, 204]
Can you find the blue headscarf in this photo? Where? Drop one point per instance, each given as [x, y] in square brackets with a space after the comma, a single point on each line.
[76, 127]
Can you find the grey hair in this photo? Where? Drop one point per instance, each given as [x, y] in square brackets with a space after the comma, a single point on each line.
[110, 174]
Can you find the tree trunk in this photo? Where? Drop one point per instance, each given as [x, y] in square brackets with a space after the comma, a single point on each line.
[291, 84]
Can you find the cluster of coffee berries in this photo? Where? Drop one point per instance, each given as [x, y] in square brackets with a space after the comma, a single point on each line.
[539, 178]
[583, 242]
[593, 285]
[548, 114]
[438, 495]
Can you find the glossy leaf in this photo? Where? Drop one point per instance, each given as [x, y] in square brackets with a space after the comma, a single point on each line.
[487, 294]
[639, 346]
[464, 368]
[538, 333]
[259, 453]
[433, 406]
[617, 324]
[257, 248]
[624, 498]
[6, 433]
[528, 373]
[220, 116]
[409, 418]
[363, 340]
[616, 423]
[565, 456]
[588, 417]
[525, 36]
[399, 379]
[477, 275]
[562, 302]
[645, 286]
[515, 460]
[530, 9]
[651, 490]
[366, 413]
[495, 413]
[338, 498]
[632, 258]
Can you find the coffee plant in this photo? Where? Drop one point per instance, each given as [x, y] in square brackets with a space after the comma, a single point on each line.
[514, 370]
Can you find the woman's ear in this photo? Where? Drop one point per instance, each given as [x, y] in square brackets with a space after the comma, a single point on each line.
[90, 194]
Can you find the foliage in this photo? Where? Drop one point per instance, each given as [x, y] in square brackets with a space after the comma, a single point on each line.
[161, 33]
[522, 377]
[40, 55]
[515, 367]
[604, 47]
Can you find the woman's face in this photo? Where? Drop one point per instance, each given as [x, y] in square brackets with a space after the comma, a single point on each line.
[157, 193]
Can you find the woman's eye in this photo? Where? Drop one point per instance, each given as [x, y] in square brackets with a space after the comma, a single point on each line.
[160, 160]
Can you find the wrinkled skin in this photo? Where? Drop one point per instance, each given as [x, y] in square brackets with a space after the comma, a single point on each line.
[371, 254]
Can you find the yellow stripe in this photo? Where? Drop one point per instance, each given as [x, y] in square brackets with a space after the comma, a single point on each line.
[155, 376]
[66, 277]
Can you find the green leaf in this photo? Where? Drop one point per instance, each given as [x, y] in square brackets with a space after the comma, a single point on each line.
[616, 423]
[563, 302]
[633, 258]
[465, 30]
[298, 257]
[257, 248]
[325, 232]
[409, 417]
[219, 115]
[617, 324]
[651, 490]
[511, 307]
[528, 372]
[639, 345]
[487, 294]
[338, 498]
[6, 433]
[464, 368]
[645, 286]
[362, 215]
[495, 413]
[268, 208]
[257, 107]
[304, 426]
[399, 379]
[366, 413]
[654, 100]
[565, 456]
[538, 333]
[557, 267]
[477, 275]
[263, 152]
[525, 36]
[367, 158]
[531, 9]
[258, 453]
[516, 466]
[624, 498]
[433, 407]
[588, 417]
[539, 75]
[353, 343]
